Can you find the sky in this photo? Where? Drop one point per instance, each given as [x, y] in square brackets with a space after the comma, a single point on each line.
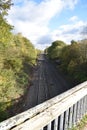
[44, 21]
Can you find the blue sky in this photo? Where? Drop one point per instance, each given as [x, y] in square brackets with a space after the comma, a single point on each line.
[44, 21]
[79, 10]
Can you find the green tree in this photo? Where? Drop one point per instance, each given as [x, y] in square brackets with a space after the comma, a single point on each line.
[73, 42]
[74, 61]
[83, 49]
[17, 58]
[5, 6]
[55, 49]
[5, 27]
[70, 54]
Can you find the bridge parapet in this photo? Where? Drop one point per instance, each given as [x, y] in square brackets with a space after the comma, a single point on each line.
[59, 113]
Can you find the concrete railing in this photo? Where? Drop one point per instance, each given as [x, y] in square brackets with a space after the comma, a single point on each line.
[59, 113]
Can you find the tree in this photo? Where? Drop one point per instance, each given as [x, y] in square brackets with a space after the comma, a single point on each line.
[17, 58]
[5, 6]
[83, 49]
[5, 27]
[73, 42]
[58, 43]
[55, 49]
[74, 61]
[84, 32]
[70, 55]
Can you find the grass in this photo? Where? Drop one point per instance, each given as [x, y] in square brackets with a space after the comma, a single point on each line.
[82, 123]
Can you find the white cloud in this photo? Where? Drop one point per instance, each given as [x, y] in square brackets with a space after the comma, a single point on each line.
[32, 19]
[36, 13]
[71, 3]
[69, 32]
[73, 19]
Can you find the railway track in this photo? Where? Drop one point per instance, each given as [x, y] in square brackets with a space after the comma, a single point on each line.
[42, 84]
[47, 83]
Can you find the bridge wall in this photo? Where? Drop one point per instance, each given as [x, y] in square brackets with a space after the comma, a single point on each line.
[59, 113]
